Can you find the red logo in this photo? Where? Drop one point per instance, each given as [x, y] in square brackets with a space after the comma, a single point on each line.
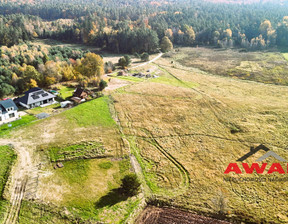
[275, 167]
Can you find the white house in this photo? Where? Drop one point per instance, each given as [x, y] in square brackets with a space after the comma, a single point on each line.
[36, 97]
[8, 111]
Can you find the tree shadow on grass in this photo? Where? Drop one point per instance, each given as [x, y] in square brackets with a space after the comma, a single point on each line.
[113, 197]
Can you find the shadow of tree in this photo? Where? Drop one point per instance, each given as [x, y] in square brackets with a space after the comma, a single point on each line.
[113, 197]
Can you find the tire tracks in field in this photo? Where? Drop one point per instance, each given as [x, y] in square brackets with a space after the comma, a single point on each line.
[209, 136]
[133, 161]
[153, 141]
[184, 173]
[214, 105]
[216, 108]
[16, 199]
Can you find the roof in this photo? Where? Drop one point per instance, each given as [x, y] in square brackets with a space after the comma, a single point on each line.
[5, 104]
[35, 95]
[78, 92]
[33, 90]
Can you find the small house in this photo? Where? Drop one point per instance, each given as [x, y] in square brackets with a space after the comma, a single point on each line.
[36, 97]
[8, 111]
[80, 93]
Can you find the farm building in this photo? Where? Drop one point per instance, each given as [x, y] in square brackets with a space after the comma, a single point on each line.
[36, 97]
[80, 93]
[8, 111]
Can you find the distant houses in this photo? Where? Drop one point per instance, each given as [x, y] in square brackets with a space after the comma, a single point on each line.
[36, 97]
[8, 111]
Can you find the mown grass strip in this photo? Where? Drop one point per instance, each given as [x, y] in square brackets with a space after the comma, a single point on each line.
[25, 120]
[130, 78]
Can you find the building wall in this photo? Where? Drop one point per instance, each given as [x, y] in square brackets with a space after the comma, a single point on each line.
[49, 102]
[5, 117]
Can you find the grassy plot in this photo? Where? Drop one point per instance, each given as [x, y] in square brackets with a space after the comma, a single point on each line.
[81, 186]
[66, 92]
[91, 189]
[93, 113]
[40, 214]
[7, 157]
[81, 150]
[25, 120]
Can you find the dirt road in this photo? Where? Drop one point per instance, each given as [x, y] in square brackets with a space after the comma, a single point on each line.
[148, 62]
[23, 174]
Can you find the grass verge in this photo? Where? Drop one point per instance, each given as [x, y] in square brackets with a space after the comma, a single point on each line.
[7, 157]
[25, 120]
[130, 78]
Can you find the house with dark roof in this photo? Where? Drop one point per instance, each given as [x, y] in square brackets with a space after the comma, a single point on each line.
[36, 97]
[8, 111]
[80, 93]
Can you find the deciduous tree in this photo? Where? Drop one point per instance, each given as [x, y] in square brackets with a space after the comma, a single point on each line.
[166, 45]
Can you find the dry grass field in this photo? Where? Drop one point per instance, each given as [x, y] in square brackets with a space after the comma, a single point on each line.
[265, 67]
[184, 127]
[184, 136]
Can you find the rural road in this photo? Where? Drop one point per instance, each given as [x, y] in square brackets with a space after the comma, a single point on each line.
[148, 62]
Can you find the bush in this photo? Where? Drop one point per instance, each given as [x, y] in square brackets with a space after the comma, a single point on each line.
[145, 57]
[130, 185]
[124, 61]
[102, 85]
[109, 67]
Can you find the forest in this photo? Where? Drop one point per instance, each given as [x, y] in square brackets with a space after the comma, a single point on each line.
[128, 26]
[111, 24]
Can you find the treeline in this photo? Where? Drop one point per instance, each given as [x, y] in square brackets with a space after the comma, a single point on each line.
[17, 28]
[130, 26]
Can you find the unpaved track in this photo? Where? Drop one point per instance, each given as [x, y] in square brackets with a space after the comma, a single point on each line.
[21, 175]
[148, 62]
